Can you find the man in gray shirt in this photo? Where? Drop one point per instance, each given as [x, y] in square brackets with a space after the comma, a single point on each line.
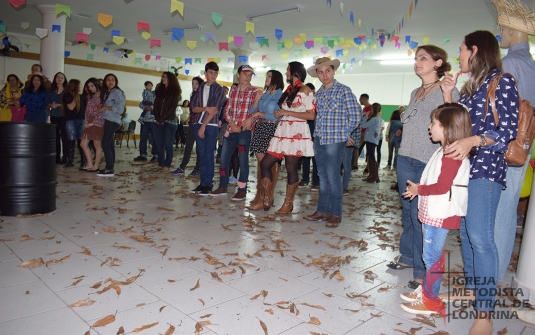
[519, 62]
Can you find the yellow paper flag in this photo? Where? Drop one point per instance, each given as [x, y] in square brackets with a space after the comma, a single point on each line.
[105, 20]
[145, 35]
[374, 46]
[118, 40]
[285, 55]
[191, 44]
[249, 27]
[231, 39]
[346, 52]
[177, 5]
[133, 55]
[425, 40]
[360, 23]
[330, 57]
[342, 40]
[288, 44]
[303, 37]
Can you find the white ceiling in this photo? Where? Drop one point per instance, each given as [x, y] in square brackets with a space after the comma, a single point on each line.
[433, 18]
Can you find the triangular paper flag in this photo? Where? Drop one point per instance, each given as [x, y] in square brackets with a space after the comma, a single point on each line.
[25, 25]
[231, 60]
[309, 44]
[105, 20]
[177, 5]
[264, 57]
[330, 44]
[179, 59]
[115, 33]
[223, 45]
[177, 34]
[297, 40]
[198, 60]
[210, 37]
[118, 40]
[188, 61]
[87, 31]
[41, 33]
[81, 37]
[407, 39]
[63, 9]
[89, 56]
[230, 39]
[235, 71]
[217, 19]
[249, 27]
[447, 39]
[105, 50]
[339, 53]
[280, 45]
[425, 40]
[17, 3]
[155, 43]
[143, 25]
[67, 53]
[56, 27]
[264, 41]
[254, 46]
[93, 47]
[147, 57]
[203, 38]
[191, 44]
[145, 35]
[285, 55]
[158, 57]
[138, 61]
[288, 44]
[318, 40]
[278, 33]
[238, 41]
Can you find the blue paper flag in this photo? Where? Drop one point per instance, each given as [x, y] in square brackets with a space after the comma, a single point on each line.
[353, 60]
[243, 59]
[358, 40]
[105, 50]
[407, 39]
[188, 61]
[351, 18]
[373, 32]
[413, 45]
[187, 71]
[67, 54]
[330, 2]
[115, 33]
[499, 38]
[56, 27]
[339, 52]
[177, 34]
[278, 33]
[258, 38]
[415, 3]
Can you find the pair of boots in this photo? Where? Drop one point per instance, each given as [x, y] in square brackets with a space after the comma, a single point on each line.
[374, 173]
[70, 154]
[257, 202]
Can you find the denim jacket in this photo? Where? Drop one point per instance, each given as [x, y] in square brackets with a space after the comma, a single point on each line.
[268, 104]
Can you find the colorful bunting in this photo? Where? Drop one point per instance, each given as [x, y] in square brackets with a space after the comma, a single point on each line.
[288, 44]
[17, 3]
[177, 6]
[87, 31]
[210, 37]
[425, 40]
[243, 59]
[198, 60]
[191, 44]
[138, 61]
[93, 47]
[179, 59]
[223, 45]
[280, 45]
[309, 44]
[263, 42]
[89, 56]
[56, 27]
[145, 35]
[118, 40]
[413, 45]
[177, 34]
[158, 57]
[115, 33]
[188, 61]
[238, 41]
[217, 19]
[254, 46]
[351, 18]
[67, 53]
[25, 25]
[407, 39]
[264, 57]
[445, 40]
[143, 25]
[249, 27]
[231, 60]
[105, 49]
[105, 20]
[285, 55]
[63, 9]
[155, 43]
[40, 32]
[278, 33]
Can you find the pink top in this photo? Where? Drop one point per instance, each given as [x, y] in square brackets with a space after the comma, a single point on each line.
[92, 114]
[18, 113]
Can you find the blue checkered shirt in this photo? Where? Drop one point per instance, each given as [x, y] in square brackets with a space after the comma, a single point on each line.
[338, 113]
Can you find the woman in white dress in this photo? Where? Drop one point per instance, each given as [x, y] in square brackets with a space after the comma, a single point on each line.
[292, 139]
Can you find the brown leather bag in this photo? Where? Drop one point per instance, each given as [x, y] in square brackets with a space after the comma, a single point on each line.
[518, 149]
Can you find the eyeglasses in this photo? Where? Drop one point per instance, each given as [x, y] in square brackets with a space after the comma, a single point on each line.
[413, 112]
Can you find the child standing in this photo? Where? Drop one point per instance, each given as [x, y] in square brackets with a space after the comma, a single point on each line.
[373, 126]
[442, 201]
[148, 100]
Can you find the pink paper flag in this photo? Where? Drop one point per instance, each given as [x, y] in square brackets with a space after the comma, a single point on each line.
[223, 45]
[155, 43]
[398, 45]
[238, 40]
[264, 57]
[81, 37]
[324, 50]
[143, 25]
[17, 3]
[395, 38]
[158, 57]
[147, 57]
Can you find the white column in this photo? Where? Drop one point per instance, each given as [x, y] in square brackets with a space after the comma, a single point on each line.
[237, 53]
[525, 273]
[53, 45]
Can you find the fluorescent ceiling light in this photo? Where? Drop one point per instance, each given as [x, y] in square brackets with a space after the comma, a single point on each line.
[277, 10]
[195, 26]
[397, 62]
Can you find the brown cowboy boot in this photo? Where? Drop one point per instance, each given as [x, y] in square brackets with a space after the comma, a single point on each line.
[260, 195]
[266, 187]
[275, 176]
[374, 173]
[257, 197]
[288, 204]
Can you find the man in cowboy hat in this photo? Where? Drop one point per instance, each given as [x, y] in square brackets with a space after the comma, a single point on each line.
[338, 114]
[517, 22]
[38, 69]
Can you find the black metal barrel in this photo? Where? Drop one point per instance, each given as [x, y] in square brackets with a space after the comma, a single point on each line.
[27, 168]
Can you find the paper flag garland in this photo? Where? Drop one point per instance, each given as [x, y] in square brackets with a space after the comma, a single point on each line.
[188, 61]
[25, 25]
[285, 55]
[17, 3]
[298, 40]
[145, 35]
[305, 53]
[425, 40]
[330, 2]
[446, 40]
[105, 50]
[93, 47]
[346, 52]
[353, 60]
[407, 39]
[254, 46]
[155, 43]
[217, 19]
[360, 62]
[360, 23]
[177, 6]
[209, 36]
[177, 34]
[278, 33]
[413, 45]
[351, 18]
[115, 33]
[143, 25]
[63, 9]
[243, 59]
[309, 44]
[40, 32]
[288, 44]
[238, 41]
[339, 52]
[179, 59]
[145, 66]
[264, 41]
[341, 8]
[223, 45]
[298, 53]
[138, 61]
[158, 57]
[330, 43]
[56, 27]
[133, 54]
[27, 46]
[198, 60]
[118, 40]
[114, 59]
[264, 57]
[119, 53]
[191, 44]
[105, 20]
[202, 38]
[147, 57]
[249, 27]
[89, 56]
[280, 45]
[87, 31]
[324, 50]
[187, 71]
[67, 53]
[231, 60]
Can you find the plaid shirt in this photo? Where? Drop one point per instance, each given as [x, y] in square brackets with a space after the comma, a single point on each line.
[338, 113]
[216, 98]
[238, 104]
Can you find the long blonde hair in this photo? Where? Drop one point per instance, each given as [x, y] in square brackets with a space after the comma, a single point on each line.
[486, 60]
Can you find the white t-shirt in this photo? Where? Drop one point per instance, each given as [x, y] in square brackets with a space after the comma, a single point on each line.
[205, 95]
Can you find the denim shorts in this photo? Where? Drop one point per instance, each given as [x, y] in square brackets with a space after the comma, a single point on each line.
[74, 129]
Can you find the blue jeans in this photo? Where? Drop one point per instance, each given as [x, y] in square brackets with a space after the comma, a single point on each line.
[411, 241]
[206, 151]
[36, 116]
[143, 138]
[74, 129]
[505, 228]
[108, 147]
[241, 140]
[477, 241]
[433, 246]
[329, 159]
[164, 135]
[348, 166]
[393, 148]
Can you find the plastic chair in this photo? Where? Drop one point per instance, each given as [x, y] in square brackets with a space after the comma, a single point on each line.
[130, 132]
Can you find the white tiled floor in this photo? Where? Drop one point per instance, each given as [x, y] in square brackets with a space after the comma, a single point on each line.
[192, 240]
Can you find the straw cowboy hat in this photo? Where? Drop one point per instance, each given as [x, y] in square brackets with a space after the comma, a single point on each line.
[515, 15]
[324, 61]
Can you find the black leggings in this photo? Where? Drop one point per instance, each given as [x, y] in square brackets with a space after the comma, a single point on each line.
[291, 163]
[370, 151]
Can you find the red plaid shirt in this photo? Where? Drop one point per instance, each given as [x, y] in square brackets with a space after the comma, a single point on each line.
[238, 104]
